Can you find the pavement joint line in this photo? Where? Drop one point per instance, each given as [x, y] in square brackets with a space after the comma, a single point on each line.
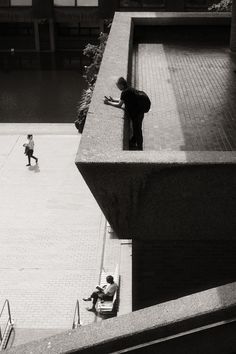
[9, 153]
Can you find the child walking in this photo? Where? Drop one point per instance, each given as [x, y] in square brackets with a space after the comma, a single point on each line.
[29, 149]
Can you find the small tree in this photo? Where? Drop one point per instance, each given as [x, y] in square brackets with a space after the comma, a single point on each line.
[223, 5]
[95, 54]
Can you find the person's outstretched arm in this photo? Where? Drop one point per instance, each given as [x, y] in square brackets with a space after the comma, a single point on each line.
[112, 99]
[114, 103]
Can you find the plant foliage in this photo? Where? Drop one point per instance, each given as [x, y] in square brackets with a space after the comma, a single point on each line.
[223, 5]
[95, 54]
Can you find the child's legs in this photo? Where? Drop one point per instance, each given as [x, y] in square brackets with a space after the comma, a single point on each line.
[30, 153]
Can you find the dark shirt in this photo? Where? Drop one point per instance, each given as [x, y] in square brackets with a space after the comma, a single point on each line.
[129, 96]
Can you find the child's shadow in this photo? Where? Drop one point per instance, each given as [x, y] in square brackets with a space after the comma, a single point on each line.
[34, 168]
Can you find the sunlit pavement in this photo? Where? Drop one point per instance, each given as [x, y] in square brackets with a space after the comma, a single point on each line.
[51, 230]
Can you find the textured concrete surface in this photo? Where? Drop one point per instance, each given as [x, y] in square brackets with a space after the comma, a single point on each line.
[119, 252]
[125, 303]
[162, 127]
[51, 232]
[167, 319]
[191, 81]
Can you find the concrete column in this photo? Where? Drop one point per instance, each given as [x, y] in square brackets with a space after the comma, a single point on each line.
[36, 36]
[52, 35]
[233, 28]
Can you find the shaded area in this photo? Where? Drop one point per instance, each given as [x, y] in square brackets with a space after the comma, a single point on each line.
[181, 35]
[186, 241]
[172, 269]
[40, 89]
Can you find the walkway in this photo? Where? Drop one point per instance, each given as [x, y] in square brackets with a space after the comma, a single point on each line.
[51, 230]
[192, 87]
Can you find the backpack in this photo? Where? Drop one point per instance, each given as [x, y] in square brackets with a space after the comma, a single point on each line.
[143, 101]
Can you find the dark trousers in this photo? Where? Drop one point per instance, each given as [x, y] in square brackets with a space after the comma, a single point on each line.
[98, 294]
[137, 138]
[30, 154]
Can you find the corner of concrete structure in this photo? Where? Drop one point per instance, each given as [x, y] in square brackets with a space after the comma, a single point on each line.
[199, 312]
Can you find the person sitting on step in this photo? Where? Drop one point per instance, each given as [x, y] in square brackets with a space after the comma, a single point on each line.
[105, 293]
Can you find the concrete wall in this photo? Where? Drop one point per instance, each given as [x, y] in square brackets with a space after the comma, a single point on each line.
[177, 206]
[167, 201]
[233, 28]
[200, 323]
[174, 268]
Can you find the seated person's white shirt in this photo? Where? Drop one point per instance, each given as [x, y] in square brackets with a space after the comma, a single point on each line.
[111, 289]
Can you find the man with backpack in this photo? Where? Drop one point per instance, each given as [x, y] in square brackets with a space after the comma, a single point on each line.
[136, 104]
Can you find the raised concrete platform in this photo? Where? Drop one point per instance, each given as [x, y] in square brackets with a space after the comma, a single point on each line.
[181, 190]
[128, 174]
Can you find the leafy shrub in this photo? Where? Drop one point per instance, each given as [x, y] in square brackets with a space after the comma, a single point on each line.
[95, 54]
[223, 5]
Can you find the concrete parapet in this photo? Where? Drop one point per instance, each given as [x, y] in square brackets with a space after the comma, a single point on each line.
[200, 323]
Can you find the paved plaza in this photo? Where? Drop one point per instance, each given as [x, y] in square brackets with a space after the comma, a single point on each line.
[51, 230]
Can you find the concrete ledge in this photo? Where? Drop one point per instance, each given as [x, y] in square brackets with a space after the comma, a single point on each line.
[167, 319]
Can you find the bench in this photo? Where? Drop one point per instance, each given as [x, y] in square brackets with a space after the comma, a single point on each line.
[109, 307]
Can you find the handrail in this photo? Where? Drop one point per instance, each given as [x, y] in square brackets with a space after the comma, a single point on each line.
[9, 323]
[76, 323]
